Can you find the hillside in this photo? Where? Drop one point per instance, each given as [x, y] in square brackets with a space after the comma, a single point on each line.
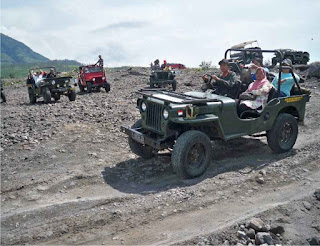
[15, 52]
[17, 59]
[21, 70]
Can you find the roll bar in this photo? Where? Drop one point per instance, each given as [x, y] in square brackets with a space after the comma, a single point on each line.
[278, 52]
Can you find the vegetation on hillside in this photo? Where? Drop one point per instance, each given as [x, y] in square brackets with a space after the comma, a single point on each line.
[21, 70]
[15, 52]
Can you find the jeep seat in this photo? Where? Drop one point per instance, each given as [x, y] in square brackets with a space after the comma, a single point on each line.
[254, 113]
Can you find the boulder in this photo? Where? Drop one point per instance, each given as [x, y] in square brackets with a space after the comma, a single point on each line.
[263, 238]
[257, 224]
[317, 194]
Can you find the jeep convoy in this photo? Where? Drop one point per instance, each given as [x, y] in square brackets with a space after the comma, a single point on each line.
[185, 123]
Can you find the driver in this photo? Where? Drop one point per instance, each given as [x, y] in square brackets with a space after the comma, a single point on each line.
[224, 83]
[51, 74]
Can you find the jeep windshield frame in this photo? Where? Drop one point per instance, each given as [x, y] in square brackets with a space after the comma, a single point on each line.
[277, 52]
[185, 99]
[42, 68]
[95, 69]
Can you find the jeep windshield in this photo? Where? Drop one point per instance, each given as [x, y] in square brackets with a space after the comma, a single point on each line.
[92, 69]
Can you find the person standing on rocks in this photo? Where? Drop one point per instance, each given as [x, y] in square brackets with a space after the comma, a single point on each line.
[99, 62]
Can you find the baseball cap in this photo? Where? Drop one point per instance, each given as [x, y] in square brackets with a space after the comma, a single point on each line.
[286, 62]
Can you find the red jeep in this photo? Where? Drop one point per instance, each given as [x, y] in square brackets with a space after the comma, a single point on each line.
[92, 77]
[177, 65]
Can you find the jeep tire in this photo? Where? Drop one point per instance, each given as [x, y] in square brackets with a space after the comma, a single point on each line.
[144, 151]
[283, 134]
[89, 87]
[32, 96]
[81, 88]
[191, 154]
[56, 96]
[72, 95]
[107, 87]
[46, 95]
[174, 85]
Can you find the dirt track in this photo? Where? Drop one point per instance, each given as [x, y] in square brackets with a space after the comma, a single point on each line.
[68, 176]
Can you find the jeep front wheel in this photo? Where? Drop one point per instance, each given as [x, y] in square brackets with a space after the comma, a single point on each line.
[107, 87]
[32, 96]
[89, 87]
[46, 95]
[283, 134]
[72, 95]
[174, 85]
[56, 96]
[144, 151]
[191, 154]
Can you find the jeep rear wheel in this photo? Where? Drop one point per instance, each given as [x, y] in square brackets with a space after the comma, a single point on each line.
[191, 154]
[32, 96]
[89, 87]
[144, 151]
[283, 134]
[72, 95]
[47, 95]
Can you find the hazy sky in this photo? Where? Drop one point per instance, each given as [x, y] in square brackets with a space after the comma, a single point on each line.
[136, 32]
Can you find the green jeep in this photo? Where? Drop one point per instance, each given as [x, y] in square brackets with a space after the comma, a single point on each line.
[186, 123]
[49, 87]
[163, 78]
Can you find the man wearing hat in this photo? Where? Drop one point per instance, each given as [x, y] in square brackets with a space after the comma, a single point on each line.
[225, 82]
[287, 81]
[51, 73]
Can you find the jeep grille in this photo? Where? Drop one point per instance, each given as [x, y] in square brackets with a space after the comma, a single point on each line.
[154, 116]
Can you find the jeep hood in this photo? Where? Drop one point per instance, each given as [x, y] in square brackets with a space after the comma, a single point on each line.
[178, 101]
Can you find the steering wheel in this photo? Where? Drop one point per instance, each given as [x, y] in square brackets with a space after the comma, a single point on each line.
[205, 79]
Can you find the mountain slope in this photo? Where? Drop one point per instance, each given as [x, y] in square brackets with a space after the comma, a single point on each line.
[15, 52]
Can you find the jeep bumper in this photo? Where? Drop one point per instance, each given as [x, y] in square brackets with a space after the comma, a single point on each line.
[141, 138]
[59, 90]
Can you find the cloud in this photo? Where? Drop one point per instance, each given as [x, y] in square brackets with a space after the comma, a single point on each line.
[120, 25]
[137, 32]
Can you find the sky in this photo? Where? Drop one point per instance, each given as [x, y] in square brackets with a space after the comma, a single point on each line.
[136, 32]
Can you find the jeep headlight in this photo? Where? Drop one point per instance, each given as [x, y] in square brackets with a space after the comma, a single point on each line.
[165, 114]
[53, 82]
[94, 79]
[143, 106]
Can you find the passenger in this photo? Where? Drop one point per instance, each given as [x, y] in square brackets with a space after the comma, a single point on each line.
[256, 96]
[51, 74]
[156, 65]
[255, 64]
[99, 62]
[37, 77]
[225, 82]
[287, 81]
[164, 64]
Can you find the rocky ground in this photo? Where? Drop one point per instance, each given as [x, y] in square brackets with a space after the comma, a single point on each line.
[68, 177]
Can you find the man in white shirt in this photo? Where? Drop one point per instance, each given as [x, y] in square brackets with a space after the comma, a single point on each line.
[37, 77]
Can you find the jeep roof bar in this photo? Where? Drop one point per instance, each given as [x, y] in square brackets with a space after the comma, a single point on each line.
[278, 52]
